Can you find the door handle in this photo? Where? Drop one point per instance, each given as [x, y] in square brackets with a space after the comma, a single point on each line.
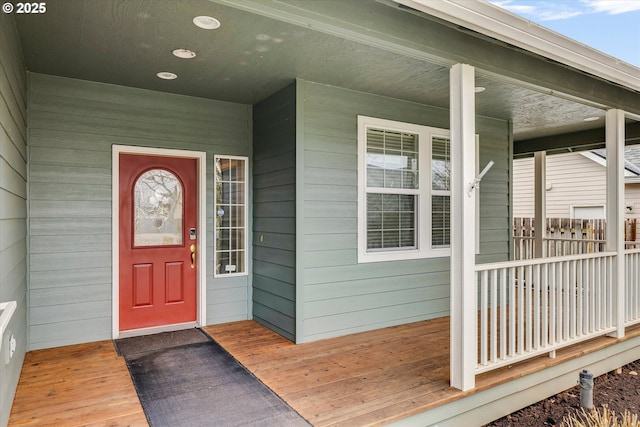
[193, 255]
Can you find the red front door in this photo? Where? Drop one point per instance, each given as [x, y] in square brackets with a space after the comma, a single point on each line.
[158, 246]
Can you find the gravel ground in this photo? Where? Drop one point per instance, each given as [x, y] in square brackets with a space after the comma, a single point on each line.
[619, 391]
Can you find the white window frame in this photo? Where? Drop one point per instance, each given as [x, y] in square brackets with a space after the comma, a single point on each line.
[245, 271]
[423, 224]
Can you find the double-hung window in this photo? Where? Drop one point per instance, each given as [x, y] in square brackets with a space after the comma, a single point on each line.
[404, 190]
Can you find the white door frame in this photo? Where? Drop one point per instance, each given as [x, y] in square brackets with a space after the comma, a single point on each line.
[201, 256]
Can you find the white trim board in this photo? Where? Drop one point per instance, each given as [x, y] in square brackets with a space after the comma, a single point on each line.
[201, 158]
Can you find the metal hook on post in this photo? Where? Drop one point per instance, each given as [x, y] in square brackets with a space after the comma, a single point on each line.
[476, 182]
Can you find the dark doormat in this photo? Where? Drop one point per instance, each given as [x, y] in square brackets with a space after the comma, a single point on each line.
[185, 378]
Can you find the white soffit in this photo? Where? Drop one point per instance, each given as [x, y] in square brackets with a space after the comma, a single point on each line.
[503, 25]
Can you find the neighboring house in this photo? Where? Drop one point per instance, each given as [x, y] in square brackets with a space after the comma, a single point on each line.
[576, 185]
[305, 146]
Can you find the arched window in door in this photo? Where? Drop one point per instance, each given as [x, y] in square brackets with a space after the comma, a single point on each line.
[157, 209]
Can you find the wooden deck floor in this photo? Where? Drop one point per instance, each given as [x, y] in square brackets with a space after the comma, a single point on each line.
[370, 378]
[79, 385]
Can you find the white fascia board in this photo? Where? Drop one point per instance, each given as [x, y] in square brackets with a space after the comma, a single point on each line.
[493, 21]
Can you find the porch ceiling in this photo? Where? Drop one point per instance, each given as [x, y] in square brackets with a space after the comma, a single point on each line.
[251, 56]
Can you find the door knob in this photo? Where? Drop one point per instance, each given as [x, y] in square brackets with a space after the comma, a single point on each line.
[192, 248]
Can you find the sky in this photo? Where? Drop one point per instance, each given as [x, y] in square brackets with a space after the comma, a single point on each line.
[610, 26]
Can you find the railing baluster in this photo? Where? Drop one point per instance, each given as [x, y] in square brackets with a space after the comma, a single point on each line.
[529, 306]
[520, 303]
[512, 312]
[552, 303]
[536, 306]
[494, 316]
[503, 313]
[544, 288]
[483, 317]
[572, 299]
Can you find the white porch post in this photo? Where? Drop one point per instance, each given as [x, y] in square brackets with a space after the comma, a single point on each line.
[615, 135]
[463, 234]
[540, 198]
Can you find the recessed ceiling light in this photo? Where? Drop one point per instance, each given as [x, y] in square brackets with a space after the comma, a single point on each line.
[206, 22]
[479, 89]
[165, 75]
[591, 119]
[184, 53]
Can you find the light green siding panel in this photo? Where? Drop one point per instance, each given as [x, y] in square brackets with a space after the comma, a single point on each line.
[315, 242]
[68, 243]
[53, 261]
[330, 160]
[13, 203]
[334, 177]
[71, 294]
[326, 209]
[70, 192]
[274, 163]
[11, 180]
[317, 276]
[11, 232]
[330, 258]
[69, 312]
[46, 226]
[434, 285]
[12, 206]
[342, 296]
[73, 125]
[49, 335]
[343, 324]
[324, 192]
[73, 209]
[331, 225]
[371, 301]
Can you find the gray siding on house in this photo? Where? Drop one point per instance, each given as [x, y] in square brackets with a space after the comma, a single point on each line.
[13, 204]
[73, 125]
[340, 295]
[274, 215]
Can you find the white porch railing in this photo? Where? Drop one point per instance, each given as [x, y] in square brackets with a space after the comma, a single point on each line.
[632, 285]
[536, 306]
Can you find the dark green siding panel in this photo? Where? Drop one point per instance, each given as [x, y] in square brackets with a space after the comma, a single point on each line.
[13, 203]
[274, 193]
[73, 126]
[342, 296]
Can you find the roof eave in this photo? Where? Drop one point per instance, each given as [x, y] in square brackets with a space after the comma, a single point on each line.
[505, 26]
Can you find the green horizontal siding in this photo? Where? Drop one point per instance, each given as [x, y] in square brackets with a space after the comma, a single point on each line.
[274, 214]
[73, 125]
[340, 295]
[13, 204]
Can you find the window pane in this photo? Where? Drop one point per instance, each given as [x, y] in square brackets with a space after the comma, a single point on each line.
[392, 159]
[440, 221]
[157, 207]
[391, 221]
[230, 211]
[440, 163]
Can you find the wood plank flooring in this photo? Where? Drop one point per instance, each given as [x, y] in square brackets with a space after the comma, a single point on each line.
[370, 378]
[366, 379]
[79, 385]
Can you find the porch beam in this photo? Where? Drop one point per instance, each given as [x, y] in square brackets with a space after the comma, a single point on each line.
[540, 200]
[463, 224]
[615, 141]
